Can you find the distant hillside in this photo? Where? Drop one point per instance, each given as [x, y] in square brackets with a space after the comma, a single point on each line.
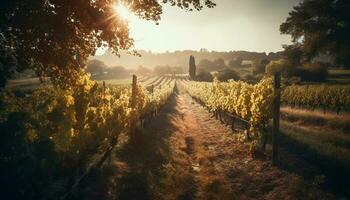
[179, 58]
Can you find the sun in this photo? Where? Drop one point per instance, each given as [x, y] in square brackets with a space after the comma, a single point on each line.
[123, 11]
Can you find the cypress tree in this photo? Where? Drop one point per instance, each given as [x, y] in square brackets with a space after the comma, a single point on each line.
[192, 68]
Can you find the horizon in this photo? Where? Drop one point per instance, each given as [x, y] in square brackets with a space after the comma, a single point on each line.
[151, 59]
[183, 50]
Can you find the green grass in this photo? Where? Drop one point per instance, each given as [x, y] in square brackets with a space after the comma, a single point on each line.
[341, 76]
[329, 121]
[325, 142]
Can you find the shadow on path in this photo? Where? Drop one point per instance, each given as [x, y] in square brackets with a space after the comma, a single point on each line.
[148, 175]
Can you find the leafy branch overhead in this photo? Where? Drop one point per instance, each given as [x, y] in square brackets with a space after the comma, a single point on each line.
[320, 27]
[55, 37]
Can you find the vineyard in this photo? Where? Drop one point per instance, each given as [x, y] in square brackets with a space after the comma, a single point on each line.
[251, 103]
[70, 126]
[78, 129]
[174, 100]
[332, 97]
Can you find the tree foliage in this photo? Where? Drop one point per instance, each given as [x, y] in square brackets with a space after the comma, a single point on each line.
[161, 70]
[143, 70]
[215, 65]
[319, 27]
[96, 67]
[228, 74]
[204, 76]
[55, 37]
[235, 63]
[260, 66]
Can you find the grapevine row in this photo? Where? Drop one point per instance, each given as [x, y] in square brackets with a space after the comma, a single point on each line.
[318, 96]
[250, 102]
[69, 125]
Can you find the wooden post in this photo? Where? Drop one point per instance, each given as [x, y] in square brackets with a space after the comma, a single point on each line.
[276, 117]
[104, 89]
[133, 107]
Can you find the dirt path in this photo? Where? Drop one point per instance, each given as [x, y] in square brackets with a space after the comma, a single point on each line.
[186, 154]
[223, 167]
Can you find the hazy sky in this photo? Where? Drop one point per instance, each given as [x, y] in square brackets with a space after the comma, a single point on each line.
[251, 25]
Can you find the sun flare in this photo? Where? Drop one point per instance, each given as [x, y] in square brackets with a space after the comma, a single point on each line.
[123, 11]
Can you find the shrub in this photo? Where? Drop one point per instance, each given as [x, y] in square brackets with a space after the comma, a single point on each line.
[250, 78]
[204, 76]
[313, 72]
[286, 68]
[260, 66]
[228, 74]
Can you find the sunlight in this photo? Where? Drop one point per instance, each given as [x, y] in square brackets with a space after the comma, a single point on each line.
[123, 11]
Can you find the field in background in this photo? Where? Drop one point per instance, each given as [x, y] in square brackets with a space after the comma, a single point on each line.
[26, 84]
[341, 76]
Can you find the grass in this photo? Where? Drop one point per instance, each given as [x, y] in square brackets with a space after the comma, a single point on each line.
[330, 121]
[25, 84]
[321, 153]
[328, 143]
[339, 72]
[340, 76]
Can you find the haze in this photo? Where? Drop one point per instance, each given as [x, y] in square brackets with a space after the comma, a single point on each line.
[250, 25]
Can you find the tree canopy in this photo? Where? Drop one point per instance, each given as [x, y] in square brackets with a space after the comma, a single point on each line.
[319, 27]
[215, 65]
[96, 67]
[55, 37]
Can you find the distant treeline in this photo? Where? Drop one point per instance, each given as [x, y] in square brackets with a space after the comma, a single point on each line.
[180, 58]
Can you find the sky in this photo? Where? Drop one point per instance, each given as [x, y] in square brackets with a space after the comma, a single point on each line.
[250, 25]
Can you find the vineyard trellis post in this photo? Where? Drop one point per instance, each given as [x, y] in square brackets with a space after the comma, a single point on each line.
[276, 117]
[133, 106]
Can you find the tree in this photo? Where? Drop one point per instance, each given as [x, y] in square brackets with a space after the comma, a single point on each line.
[281, 65]
[7, 63]
[204, 76]
[178, 70]
[260, 66]
[320, 27]
[55, 37]
[235, 63]
[96, 67]
[143, 70]
[219, 64]
[294, 54]
[206, 65]
[227, 74]
[192, 68]
[161, 70]
[117, 72]
[313, 72]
